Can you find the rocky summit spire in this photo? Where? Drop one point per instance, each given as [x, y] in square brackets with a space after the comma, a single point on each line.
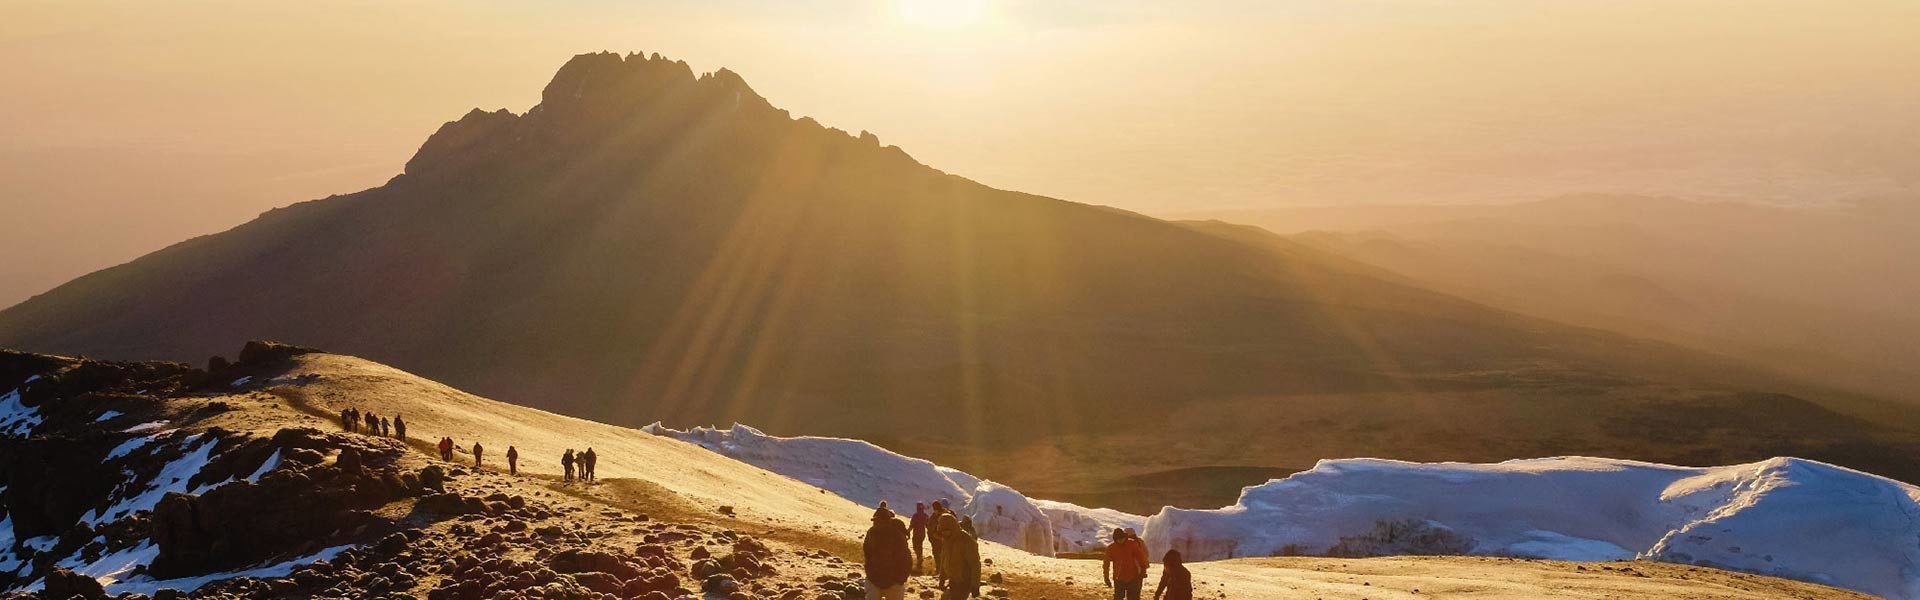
[601, 99]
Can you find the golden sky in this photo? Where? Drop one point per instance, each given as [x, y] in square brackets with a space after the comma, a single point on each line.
[126, 126]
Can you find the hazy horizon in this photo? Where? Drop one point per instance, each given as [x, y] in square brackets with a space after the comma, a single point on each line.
[135, 126]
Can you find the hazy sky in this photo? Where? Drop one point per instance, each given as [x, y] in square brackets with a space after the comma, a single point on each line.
[126, 126]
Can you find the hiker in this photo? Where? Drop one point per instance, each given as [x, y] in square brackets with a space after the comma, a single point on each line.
[446, 449]
[386, 427]
[939, 566]
[476, 455]
[1124, 568]
[399, 427]
[960, 558]
[347, 418]
[586, 464]
[373, 423]
[885, 556]
[919, 529]
[1176, 582]
[513, 460]
[566, 462]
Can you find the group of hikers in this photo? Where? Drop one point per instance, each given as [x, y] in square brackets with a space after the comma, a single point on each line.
[354, 421]
[890, 560]
[583, 461]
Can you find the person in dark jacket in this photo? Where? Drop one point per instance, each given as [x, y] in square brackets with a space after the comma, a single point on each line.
[386, 427]
[373, 423]
[513, 460]
[1176, 582]
[348, 417]
[919, 529]
[566, 463]
[939, 567]
[587, 460]
[885, 552]
[476, 455]
[399, 427]
[959, 557]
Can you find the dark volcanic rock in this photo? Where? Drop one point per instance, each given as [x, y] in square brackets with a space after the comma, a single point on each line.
[62, 583]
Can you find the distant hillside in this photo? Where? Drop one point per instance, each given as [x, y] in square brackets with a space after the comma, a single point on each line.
[1819, 292]
[651, 244]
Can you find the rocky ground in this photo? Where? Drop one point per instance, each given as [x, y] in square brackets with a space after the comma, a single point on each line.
[236, 481]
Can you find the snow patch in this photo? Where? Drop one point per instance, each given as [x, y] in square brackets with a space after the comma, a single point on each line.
[867, 474]
[144, 427]
[16, 418]
[147, 585]
[241, 381]
[1788, 517]
[127, 447]
[271, 463]
[1080, 529]
[107, 416]
[9, 562]
[172, 478]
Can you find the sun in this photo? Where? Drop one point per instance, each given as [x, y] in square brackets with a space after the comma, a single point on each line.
[941, 14]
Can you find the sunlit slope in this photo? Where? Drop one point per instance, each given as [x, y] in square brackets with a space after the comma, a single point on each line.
[330, 383]
[651, 244]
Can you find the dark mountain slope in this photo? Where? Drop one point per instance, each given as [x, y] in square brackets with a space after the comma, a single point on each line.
[651, 244]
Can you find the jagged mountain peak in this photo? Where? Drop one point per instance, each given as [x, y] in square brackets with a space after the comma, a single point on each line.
[632, 105]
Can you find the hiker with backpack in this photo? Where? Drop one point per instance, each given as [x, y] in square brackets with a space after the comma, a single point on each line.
[885, 556]
[959, 558]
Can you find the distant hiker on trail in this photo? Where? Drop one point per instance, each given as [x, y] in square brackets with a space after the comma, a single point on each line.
[386, 427]
[1176, 582]
[476, 455]
[1124, 567]
[373, 424]
[885, 556]
[566, 463]
[446, 449]
[513, 461]
[919, 529]
[586, 464]
[959, 557]
[348, 417]
[399, 427]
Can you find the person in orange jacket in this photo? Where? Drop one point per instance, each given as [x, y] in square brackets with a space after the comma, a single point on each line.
[1125, 565]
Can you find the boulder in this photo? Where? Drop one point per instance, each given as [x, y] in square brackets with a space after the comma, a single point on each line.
[585, 561]
[599, 582]
[62, 583]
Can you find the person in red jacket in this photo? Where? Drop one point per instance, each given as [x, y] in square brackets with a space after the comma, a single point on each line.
[1125, 566]
[446, 448]
[919, 529]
